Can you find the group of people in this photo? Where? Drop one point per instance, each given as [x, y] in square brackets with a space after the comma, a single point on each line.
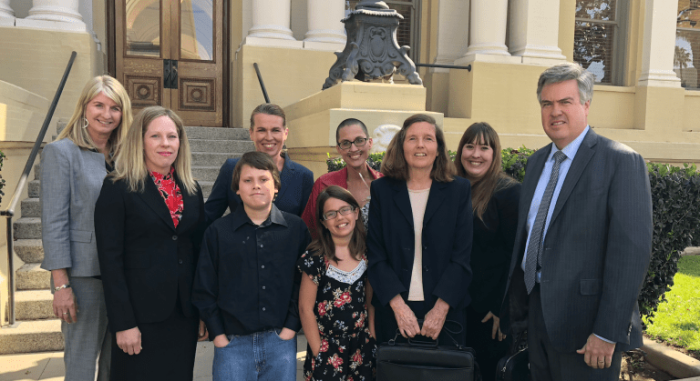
[142, 268]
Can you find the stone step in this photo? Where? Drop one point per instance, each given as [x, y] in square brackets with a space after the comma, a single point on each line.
[34, 305]
[209, 159]
[37, 171]
[206, 188]
[31, 207]
[28, 228]
[220, 133]
[29, 250]
[222, 146]
[32, 277]
[32, 336]
[205, 173]
[34, 188]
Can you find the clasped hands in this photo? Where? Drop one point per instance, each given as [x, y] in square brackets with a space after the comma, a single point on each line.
[408, 324]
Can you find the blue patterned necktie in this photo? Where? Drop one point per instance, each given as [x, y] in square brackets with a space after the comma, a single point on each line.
[535, 247]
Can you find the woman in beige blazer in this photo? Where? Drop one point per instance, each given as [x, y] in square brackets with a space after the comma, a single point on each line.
[72, 171]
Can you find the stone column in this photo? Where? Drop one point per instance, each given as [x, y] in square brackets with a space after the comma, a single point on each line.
[324, 21]
[271, 19]
[6, 10]
[659, 44]
[56, 10]
[453, 32]
[534, 31]
[487, 29]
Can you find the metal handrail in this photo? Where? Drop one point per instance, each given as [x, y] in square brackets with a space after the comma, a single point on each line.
[10, 211]
[468, 67]
[262, 84]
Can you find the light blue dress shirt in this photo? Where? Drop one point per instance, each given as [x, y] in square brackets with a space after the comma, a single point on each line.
[570, 151]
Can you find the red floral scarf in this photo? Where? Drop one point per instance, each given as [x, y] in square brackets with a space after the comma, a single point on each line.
[167, 187]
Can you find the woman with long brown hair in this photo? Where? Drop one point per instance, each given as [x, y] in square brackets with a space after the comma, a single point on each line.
[420, 235]
[495, 197]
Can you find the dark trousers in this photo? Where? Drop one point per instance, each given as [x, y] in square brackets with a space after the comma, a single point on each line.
[547, 364]
[488, 351]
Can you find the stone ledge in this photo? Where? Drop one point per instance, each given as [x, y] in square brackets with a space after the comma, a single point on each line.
[671, 361]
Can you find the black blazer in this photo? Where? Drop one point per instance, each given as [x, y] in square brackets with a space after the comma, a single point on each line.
[492, 248]
[146, 263]
[447, 242]
[596, 251]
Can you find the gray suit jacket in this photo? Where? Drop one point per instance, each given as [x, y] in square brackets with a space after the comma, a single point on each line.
[71, 179]
[596, 251]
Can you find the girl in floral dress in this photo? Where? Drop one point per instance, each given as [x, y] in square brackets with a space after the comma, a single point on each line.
[335, 297]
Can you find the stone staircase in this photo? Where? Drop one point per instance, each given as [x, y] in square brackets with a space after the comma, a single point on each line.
[38, 330]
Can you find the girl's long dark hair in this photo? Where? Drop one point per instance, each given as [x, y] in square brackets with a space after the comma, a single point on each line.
[324, 245]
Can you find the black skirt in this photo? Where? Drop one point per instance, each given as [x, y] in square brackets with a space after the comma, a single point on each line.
[168, 352]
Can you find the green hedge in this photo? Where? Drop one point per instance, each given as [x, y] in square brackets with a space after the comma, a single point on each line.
[675, 193]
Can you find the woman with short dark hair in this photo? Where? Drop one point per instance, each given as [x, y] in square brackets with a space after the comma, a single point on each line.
[420, 235]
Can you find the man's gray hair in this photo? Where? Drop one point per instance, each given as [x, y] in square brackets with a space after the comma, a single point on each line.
[565, 72]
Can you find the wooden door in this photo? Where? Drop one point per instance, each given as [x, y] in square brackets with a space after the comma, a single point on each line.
[171, 53]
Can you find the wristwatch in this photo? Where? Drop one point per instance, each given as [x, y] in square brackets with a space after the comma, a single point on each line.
[59, 288]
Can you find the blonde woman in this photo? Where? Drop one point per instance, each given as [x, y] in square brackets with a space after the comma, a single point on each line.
[148, 222]
[73, 168]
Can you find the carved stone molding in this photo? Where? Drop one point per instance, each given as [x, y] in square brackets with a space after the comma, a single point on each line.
[371, 50]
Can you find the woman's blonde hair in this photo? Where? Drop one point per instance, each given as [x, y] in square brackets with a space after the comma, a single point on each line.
[76, 131]
[494, 179]
[394, 164]
[130, 164]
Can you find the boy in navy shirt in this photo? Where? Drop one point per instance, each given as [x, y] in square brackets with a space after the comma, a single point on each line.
[246, 287]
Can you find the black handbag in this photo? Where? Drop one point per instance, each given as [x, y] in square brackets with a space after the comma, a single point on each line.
[515, 366]
[426, 360]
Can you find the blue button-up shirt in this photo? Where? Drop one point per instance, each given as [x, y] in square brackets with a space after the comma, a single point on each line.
[570, 152]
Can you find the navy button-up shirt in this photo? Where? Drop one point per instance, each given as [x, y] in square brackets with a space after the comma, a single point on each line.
[246, 278]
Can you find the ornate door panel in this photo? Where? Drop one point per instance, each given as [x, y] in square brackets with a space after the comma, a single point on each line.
[171, 53]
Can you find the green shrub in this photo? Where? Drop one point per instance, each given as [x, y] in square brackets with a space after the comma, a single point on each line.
[675, 193]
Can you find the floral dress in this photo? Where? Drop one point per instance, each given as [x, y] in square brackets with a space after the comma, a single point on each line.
[347, 349]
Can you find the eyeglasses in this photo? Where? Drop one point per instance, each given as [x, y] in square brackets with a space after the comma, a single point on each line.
[344, 211]
[359, 142]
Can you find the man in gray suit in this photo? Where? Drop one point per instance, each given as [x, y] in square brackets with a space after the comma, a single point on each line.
[583, 242]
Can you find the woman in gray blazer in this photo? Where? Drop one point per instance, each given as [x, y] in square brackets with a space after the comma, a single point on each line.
[72, 171]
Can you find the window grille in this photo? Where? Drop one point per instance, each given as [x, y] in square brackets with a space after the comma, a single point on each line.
[686, 59]
[598, 38]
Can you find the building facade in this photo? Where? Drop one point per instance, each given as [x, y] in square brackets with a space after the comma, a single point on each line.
[196, 57]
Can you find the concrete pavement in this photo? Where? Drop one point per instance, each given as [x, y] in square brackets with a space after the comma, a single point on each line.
[48, 366]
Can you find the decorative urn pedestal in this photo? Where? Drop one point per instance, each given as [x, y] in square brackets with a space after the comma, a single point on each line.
[371, 50]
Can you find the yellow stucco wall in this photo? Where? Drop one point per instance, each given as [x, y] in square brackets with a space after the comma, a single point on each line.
[36, 59]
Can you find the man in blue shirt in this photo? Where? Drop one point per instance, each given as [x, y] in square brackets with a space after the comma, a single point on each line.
[583, 242]
[268, 131]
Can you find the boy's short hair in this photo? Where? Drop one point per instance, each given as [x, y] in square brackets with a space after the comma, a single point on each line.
[257, 160]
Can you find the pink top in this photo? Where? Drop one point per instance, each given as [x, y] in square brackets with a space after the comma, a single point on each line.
[339, 178]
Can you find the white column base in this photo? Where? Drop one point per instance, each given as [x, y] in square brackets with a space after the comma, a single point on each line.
[50, 12]
[329, 36]
[273, 42]
[5, 10]
[271, 31]
[495, 49]
[492, 58]
[52, 25]
[659, 78]
[535, 51]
